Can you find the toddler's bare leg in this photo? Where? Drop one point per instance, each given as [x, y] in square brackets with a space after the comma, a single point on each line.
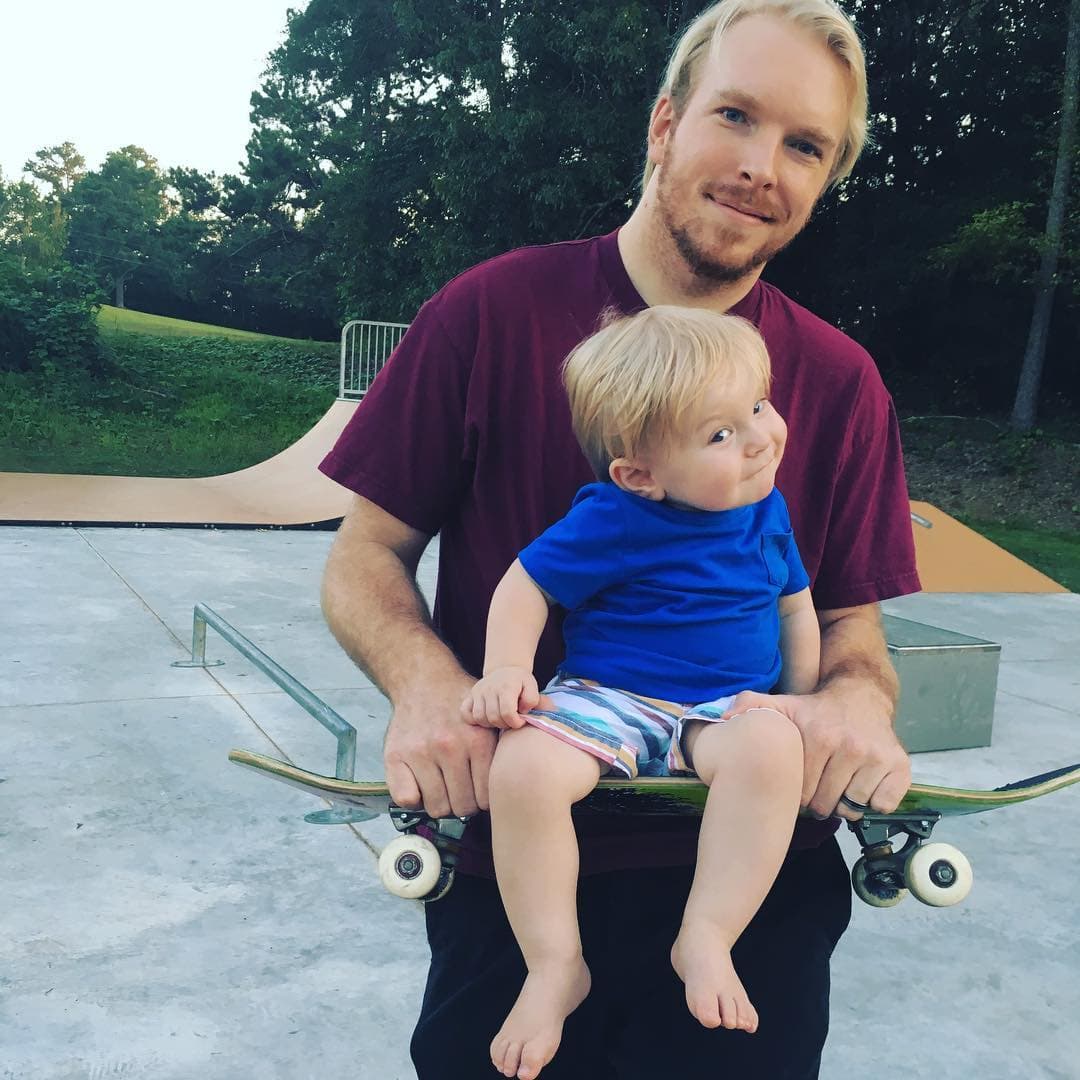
[753, 765]
[535, 779]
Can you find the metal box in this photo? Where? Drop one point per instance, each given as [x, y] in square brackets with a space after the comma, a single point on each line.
[948, 682]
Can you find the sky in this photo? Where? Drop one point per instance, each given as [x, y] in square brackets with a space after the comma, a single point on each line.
[174, 78]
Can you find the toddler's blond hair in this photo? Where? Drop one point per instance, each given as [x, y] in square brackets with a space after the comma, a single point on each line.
[632, 382]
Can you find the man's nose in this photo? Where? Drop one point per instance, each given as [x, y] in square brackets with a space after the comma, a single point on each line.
[760, 152]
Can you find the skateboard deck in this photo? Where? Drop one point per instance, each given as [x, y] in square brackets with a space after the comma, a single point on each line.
[664, 796]
[935, 873]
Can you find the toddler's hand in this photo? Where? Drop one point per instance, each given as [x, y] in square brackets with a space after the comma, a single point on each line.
[499, 697]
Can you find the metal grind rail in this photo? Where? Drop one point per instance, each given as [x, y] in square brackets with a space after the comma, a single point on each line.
[341, 729]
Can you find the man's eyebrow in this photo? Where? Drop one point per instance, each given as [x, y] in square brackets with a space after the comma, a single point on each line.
[742, 100]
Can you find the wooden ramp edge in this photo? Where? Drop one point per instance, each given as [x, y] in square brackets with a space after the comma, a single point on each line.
[955, 559]
[285, 491]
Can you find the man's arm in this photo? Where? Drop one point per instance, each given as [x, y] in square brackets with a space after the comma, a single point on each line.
[374, 609]
[846, 724]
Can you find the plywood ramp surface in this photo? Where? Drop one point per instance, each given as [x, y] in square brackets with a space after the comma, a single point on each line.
[953, 558]
[288, 490]
[285, 490]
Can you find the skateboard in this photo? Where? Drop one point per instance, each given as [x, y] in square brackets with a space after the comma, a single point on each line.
[936, 873]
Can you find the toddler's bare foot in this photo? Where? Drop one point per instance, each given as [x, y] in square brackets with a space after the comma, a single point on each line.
[714, 993]
[530, 1035]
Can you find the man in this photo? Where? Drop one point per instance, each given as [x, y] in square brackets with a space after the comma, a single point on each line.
[467, 433]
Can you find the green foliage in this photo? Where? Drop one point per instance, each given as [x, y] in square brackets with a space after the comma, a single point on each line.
[172, 407]
[60, 167]
[47, 320]
[115, 214]
[33, 229]
[999, 246]
[172, 363]
[452, 132]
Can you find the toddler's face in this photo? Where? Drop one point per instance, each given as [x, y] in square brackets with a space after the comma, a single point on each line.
[726, 453]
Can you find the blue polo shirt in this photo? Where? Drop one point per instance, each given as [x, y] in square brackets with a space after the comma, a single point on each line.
[666, 602]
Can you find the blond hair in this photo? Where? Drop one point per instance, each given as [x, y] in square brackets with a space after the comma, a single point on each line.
[821, 17]
[632, 382]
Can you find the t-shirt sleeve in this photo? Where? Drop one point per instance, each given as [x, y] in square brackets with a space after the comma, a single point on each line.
[798, 578]
[409, 446]
[870, 552]
[581, 554]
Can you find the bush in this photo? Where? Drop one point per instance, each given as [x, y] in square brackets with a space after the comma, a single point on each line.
[48, 320]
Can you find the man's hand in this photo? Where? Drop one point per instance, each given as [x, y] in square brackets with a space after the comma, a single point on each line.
[433, 758]
[848, 744]
[499, 698]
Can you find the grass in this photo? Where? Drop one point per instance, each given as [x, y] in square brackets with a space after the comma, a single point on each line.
[178, 404]
[114, 320]
[1056, 554]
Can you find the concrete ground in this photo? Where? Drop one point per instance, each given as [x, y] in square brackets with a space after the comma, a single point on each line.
[164, 914]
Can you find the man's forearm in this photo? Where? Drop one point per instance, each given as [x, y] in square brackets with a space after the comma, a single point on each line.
[375, 610]
[854, 656]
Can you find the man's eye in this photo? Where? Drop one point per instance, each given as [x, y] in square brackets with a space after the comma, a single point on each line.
[722, 435]
[807, 148]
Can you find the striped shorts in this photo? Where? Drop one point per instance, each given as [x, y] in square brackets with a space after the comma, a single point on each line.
[635, 735]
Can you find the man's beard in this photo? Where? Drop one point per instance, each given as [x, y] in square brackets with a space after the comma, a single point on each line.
[706, 268]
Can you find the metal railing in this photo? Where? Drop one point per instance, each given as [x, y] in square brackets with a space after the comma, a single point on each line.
[341, 729]
[365, 347]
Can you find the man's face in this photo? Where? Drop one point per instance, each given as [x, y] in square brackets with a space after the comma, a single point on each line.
[739, 171]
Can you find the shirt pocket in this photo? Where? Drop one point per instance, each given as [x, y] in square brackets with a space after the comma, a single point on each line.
[774, 548]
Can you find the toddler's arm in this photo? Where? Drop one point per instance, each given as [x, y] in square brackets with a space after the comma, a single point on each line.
[800, 644]
[516, 619]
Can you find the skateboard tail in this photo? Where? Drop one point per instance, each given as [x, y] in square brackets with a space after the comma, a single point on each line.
[1044, 778]
[950, 802]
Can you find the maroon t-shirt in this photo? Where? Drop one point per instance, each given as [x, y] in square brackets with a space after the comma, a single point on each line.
[466, 432]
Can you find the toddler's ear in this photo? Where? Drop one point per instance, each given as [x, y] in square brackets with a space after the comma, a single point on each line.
[635, 477]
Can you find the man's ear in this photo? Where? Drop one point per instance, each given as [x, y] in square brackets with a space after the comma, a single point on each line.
[661, 124]
[635, 477]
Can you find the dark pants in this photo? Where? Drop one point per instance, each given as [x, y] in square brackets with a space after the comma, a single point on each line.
[635, 1024]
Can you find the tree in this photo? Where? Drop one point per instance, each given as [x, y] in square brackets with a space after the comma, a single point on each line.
[32, 226]
[115, 214]
[419, 139]
[1027, 393]
[963, 100]
[61, 167]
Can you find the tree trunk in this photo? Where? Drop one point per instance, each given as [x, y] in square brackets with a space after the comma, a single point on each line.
[118, 281]
[1027, 392]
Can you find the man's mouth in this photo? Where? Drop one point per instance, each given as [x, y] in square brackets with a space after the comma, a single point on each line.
[739, 208]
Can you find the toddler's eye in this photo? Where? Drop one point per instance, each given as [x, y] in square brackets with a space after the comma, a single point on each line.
[722, 435]
[759, 406]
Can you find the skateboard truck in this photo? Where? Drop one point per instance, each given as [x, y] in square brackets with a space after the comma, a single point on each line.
[937, 874]
[415, 867]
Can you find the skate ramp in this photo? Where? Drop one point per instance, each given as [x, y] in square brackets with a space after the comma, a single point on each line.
[285, 491]
[288, 491]
[955, 559]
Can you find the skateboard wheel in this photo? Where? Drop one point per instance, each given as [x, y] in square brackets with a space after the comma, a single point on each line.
[938, 874]
[877, 888]
[442, 886]
[409, 866]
